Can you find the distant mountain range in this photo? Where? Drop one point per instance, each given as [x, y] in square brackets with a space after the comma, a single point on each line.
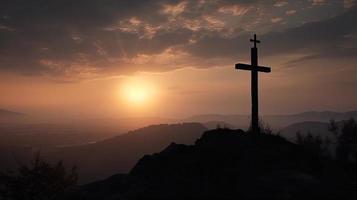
[277, 122]
[7, 113]
[7, 116]
[312, 127]
[119, 154]
[217, 124]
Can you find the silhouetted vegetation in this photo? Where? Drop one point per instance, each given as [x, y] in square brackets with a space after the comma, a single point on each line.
[234, 164]
[222, 164]
[346, 137]
[334, 158]
[314, 144]
[264, 128]
[38, 181]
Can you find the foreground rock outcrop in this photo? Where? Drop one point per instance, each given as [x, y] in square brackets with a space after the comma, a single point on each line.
[222, 164]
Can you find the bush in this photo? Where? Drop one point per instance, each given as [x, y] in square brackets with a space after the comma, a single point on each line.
[38, 181]
[346, 137]
[314, 144]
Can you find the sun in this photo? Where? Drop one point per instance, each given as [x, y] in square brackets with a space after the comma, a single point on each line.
[137, 93]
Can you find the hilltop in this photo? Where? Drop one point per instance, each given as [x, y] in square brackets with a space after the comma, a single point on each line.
[222, 164]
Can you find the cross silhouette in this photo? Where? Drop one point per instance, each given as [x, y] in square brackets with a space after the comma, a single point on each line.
[254, 68]
[255, 40]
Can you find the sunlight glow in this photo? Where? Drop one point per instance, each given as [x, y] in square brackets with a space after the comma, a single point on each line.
[137, 93]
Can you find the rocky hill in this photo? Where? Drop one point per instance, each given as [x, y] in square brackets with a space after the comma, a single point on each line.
[225, 164]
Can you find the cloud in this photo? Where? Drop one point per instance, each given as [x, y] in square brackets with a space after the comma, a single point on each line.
[235, 10]
[331, 38]
[83, 37]
[175, 9]
[63, 32]
[276, 19]
[318, 2]
[335, 53]
[349, 3]
[280, 3]
[329, 34]
[88, 38]
[290, 12]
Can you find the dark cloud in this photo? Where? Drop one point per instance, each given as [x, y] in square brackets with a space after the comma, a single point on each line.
[332, 37]
[217, 46]
[324, 35]
[53, 36]
[331, 53]
[70, 38]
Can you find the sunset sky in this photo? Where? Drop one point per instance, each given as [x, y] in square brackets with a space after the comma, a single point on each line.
[107, 58]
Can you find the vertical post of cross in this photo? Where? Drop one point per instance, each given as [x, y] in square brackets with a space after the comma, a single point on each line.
[254, 86]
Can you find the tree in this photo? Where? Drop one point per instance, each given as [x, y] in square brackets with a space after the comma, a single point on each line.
[346, 136]
[38, 181]
[313, 144]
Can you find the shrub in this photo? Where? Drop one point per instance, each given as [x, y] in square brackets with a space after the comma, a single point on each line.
[38, 181]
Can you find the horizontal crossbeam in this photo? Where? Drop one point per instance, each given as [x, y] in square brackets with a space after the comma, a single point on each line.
[251, 68]
[255, 41]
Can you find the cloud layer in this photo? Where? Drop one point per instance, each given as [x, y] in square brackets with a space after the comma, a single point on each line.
[89, 38]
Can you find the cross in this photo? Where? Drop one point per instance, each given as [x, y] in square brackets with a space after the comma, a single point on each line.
[254, 68]
[255, 41]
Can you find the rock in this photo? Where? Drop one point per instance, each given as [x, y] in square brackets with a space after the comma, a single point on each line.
[222, 164]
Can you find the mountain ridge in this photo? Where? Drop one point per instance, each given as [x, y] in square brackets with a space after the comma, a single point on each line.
[4, 112]
[277, 122]
[119, 153]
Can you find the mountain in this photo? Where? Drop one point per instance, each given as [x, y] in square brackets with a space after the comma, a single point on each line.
[9, 113]
[120, 153]
[226, 164]
[128, 124]
[241, 121]
[313, 127]
[215, 124]
[7, 116]
[277, 122]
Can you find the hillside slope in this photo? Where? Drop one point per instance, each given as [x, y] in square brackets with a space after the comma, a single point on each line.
[226, 164]
[119, 154]
[313, 127]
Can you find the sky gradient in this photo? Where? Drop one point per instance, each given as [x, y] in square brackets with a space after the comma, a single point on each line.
[73, 58]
